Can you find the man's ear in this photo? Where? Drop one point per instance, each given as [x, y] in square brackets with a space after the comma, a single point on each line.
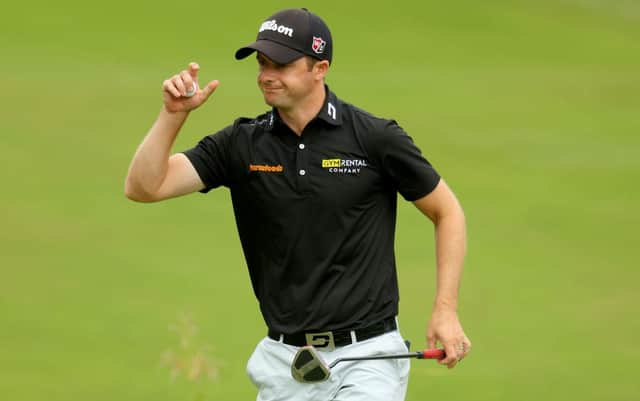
[321, 69]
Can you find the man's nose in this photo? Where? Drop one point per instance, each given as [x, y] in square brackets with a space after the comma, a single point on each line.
[267, 74]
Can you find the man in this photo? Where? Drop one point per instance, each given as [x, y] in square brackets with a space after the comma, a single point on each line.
[314, 184]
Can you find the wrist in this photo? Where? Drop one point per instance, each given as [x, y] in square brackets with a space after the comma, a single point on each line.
[445, 305]
[174, 114]
[172, 119]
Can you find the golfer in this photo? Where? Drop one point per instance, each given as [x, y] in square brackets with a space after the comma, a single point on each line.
[314, 183]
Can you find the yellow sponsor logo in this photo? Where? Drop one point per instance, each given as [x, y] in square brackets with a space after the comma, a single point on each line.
[328, 163]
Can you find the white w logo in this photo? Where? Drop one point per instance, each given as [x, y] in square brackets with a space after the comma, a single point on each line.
[331, 109]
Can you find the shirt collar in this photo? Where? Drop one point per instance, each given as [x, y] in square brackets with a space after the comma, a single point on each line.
[331, 111]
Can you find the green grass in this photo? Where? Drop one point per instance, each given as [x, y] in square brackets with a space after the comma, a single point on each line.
[528, 109]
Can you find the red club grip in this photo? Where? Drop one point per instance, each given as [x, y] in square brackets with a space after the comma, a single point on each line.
[433, 354]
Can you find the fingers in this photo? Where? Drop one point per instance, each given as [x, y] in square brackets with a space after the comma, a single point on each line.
[190, 87]
[451, 358]
[466, 347]
[190, 78]
[175, 86]
[184, 84]
[170, 87]
[190, 84]
[431, 340]
[182, 92]
[456, 351]
[193, 70]
[210, 88]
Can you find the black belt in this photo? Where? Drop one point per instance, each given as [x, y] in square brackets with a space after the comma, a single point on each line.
[339, 338]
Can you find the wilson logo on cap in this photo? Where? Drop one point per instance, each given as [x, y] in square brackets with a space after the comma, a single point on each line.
[273, 26]
[318, 45]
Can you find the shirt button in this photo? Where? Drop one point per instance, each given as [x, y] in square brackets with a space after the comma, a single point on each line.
[302, 172]
[301, 146]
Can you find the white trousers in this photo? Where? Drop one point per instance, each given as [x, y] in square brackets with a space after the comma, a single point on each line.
[269, 368]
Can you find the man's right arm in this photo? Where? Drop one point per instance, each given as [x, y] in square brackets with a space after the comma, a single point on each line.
[154, 174]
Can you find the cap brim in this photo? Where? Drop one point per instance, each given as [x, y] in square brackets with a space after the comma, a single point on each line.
[275, 51]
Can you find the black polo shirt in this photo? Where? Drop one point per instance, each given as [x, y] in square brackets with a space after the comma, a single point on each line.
[316, 213]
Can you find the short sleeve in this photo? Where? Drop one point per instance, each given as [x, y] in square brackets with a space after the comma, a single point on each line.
[210, 158]
[403, 163]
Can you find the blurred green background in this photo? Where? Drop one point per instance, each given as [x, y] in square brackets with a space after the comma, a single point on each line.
[529, 109]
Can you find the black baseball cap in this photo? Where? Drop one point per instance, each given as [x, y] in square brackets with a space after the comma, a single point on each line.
[290, 34]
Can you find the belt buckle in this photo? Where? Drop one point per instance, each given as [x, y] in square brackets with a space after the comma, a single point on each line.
[322, 340]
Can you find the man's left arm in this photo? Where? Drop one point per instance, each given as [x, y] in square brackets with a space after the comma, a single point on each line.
[444, 210]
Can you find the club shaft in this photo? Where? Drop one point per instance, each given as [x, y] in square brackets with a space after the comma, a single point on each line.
[375, 357]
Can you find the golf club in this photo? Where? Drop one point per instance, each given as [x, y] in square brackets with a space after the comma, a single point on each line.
[309, 367]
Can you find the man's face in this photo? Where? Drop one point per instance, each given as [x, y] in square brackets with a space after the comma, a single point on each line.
[283, 86]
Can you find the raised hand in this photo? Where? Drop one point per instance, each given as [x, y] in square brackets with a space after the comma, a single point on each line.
[182, 93]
